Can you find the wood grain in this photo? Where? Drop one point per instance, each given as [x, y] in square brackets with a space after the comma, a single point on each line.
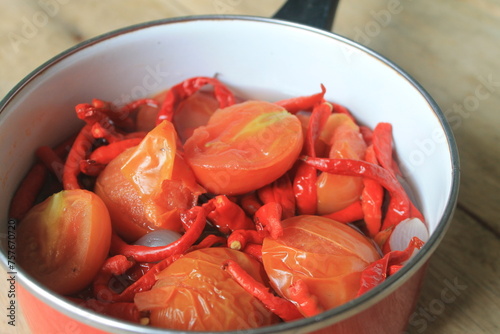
[452, 47]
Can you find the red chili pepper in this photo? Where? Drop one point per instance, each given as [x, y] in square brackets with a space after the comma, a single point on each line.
[153, 254]
[226, 215]
[91, 167]
[367, 134]
[280, 191]
[255, 250]
[372, 198]
[81, 147]
[382, 145]
[104, 154]
[101, 289]
[250, 203]
[187, 88]
[379, 270]
[308, 304]
[51, 160]
[281, 307]
[349, 214]
[399, 204]
[240, 238]
[268, 218]
[209, 241]
[147, 281]
[25, 195]
[302, 103]
[304, 184]
[117, 265]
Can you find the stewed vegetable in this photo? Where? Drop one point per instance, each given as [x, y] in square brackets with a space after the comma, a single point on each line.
[194, 210]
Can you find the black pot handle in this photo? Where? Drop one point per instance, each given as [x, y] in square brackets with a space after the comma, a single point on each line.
[315, 13]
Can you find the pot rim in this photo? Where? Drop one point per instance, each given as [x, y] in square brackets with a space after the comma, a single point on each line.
[309, 324]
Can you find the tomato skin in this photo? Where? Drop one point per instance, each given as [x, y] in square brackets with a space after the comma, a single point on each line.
[344, 139]
[146, 187]
[244, 147]
[328, 256]
[196, 293]
[64, 240]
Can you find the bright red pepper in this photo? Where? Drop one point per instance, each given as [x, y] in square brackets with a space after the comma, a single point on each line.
[399, 205]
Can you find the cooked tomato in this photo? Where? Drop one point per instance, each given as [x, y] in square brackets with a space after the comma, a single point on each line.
[193, 112]
[189, 114]
[335, 192]
[146, 187]
[244, 147]
[328, 256]
[146, 116]
[196, 293]
[65, 240]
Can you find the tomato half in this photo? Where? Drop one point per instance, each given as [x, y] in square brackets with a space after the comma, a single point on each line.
[328, 256]
[64, 240]
[244, 147]
[344, 140]
[146, 187]
[196, 293]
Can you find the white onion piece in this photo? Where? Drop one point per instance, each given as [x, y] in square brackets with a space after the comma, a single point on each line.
[405, 231]
[158, 238]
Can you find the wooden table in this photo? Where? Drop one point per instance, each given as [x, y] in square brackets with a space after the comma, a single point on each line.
[452, 47]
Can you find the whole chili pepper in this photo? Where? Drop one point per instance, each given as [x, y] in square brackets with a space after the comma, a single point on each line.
[91, 167]
[117, 265]
[280, 191]
[240, 238]
[152, 254]
[349, 214]
[372, 198]
[25, 195]
[209, 241]
[399, 204]
[226, 215]
[281, 307]
[187, 88]
[147, 281]
[81, 147]
[268, 218]
[302, 103]
[378, 271]
[304, 184]
[104, 154]
[367, 134]
[255, 250]
[250, 203]
[51, 160]
[101, 288]
[382, 145]
[308, 304]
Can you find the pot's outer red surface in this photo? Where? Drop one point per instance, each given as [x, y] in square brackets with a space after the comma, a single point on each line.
[389, 316]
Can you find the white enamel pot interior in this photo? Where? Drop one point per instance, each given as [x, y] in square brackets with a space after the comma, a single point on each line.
[260, 59]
